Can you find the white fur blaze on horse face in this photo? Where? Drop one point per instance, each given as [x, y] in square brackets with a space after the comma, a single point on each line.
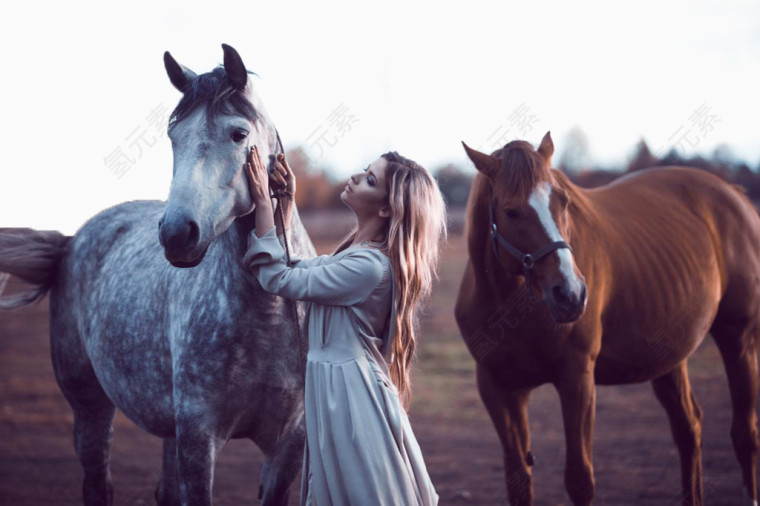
[564, 292]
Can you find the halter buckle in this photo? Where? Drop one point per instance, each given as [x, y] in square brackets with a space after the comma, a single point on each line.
[527, 261]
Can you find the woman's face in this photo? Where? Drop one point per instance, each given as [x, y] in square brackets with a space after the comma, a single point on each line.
[365, 191]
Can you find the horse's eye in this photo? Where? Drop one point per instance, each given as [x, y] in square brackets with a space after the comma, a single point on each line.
[239, 135]
[512, 213]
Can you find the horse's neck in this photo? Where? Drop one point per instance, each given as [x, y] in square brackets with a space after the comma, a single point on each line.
[591, 234]
[478, 236]
[585, 223]
[480, 248]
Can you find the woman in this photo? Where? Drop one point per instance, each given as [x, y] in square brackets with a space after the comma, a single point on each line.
[361, 328]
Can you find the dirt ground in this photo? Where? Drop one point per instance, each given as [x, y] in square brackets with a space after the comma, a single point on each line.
[636, 462]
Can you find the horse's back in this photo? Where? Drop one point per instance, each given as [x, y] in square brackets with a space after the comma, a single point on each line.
[681, 185]
[131, 224]
[115, 264]
[691, 201]
[111, 247]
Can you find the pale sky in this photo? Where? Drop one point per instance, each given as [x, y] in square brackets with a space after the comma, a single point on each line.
[81, 80]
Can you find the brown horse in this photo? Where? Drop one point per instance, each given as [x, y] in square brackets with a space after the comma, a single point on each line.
[666, 255]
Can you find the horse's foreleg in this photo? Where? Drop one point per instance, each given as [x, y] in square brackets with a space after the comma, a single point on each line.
[674, 393]
[282, 465]
[167, 492]
[509, 414]
[577, 394]
[197, 450]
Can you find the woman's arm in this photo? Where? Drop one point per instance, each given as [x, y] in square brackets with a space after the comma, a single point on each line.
[283, 177]
[344, 282]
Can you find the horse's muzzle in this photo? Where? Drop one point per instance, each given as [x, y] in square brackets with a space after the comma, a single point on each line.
[566, 305]
[180, 239]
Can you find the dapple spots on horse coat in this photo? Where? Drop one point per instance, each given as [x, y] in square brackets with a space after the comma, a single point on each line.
[195, 355]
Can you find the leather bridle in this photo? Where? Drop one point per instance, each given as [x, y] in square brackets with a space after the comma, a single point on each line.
[528, 260]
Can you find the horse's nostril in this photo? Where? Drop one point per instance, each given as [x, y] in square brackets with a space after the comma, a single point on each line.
[179, 235]
[559, 293]
[194, 233]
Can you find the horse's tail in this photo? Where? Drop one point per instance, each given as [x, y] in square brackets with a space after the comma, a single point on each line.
[33, 256]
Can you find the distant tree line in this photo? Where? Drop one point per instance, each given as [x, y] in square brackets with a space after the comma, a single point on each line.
[318, 189]
[721, 163]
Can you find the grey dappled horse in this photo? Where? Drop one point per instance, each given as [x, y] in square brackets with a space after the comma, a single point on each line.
[195, 356]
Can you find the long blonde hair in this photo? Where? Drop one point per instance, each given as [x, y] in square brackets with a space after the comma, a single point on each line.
[416, 227]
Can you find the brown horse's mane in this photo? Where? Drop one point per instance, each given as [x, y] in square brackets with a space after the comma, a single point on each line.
[522, 168]
[580, 206]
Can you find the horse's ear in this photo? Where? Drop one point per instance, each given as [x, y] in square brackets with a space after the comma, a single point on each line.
[546, 148]
[179, 75]
[233, 64]
[487, 164]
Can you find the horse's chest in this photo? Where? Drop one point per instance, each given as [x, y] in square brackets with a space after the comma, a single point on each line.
[514, 339]
[518, 356]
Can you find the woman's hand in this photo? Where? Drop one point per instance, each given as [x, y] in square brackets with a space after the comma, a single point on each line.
[258, 183]
[258, 179]
[282, 177]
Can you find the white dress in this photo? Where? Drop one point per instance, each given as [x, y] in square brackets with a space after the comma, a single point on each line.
[360, 448]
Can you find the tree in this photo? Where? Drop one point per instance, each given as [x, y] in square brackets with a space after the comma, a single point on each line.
[575, 153]
[723, 157]
[642, 157]
[454, 184]
[316, 189]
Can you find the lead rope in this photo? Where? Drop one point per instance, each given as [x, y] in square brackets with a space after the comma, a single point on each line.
[279, 195]
[302, 346]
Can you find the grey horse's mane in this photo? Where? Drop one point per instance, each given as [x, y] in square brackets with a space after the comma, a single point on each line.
[218, 94]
